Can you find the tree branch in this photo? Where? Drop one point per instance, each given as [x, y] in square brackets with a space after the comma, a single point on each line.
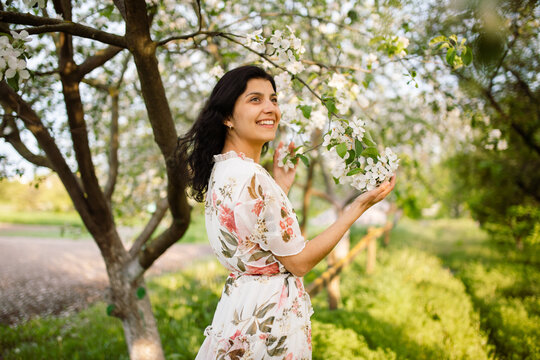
[70, 78]
[11, 100]
[45, 25]
[100, 58]
[199, 14]
[143, 50]
[14, 139]
[151, 226]
[190, 36]
[114, 142]
[527, 138]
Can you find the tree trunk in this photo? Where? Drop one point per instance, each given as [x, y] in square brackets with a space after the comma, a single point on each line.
[340, 251]
[129, 301]
[140, 327]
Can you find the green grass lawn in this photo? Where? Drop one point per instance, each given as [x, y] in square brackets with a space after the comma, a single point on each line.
[69, 225]
[503, 282]
[40, 218]
[414, 306]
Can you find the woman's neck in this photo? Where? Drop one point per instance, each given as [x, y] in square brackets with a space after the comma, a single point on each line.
[252, 152]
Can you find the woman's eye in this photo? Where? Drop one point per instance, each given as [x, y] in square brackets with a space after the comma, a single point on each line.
[274, 100]
[254, 99]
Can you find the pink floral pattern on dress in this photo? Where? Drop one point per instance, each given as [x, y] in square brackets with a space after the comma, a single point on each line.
[226, 218]
[264, 310]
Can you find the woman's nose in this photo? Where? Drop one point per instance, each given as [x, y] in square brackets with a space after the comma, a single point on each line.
[269, 106]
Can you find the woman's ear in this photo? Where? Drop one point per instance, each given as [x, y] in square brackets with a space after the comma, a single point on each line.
[228, 123]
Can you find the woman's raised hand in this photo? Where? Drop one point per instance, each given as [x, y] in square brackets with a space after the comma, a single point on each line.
[284, 176]
[370, 198]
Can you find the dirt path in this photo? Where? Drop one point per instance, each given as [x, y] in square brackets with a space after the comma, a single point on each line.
[44, 276]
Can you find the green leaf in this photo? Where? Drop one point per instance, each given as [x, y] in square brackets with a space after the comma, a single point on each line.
[304, 159]
[437, 39]
[467, 56]
[306, 110]
[110, 309]
[371, 152]
[358, 146]
[141, 292]
[330, 104]
[336, 180]
[14, 82]
[354, 171]
[341, 150]
[368, 140]
[351, 158]
[450, 56]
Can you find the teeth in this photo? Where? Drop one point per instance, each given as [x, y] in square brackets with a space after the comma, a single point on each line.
[266, 122]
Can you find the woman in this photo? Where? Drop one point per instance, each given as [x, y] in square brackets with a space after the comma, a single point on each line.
[264, 311]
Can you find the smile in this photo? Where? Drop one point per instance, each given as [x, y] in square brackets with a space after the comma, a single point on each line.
[266, 122]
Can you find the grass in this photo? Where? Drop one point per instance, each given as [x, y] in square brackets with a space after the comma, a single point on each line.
[40, 218]
[69, 225]
[503, 282]
[183, 304]
[412, 307]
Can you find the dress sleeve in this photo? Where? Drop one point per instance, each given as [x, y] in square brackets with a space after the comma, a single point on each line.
[264, 216]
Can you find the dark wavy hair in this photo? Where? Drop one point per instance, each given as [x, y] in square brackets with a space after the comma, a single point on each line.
[206, 137]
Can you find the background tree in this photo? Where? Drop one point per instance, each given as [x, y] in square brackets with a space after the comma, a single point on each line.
[498, 173]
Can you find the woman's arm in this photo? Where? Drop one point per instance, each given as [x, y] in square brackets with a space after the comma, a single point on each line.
[320, 246]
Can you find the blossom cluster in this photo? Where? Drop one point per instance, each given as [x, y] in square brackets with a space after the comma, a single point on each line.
[354, 157]
[12, 56]
[495, 141]
[345, 93]
[285, 161]
[286, 49]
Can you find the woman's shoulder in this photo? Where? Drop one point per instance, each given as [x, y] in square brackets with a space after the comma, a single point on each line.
[234, 169]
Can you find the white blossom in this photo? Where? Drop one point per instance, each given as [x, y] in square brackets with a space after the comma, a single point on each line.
[295, 67]
[288, 164]
[358, 129]
[338, 81]
[283, 82]
[494, 134]
[502, 145]
[217, 71]
[362, 101]
[22, 36]
[317, 121]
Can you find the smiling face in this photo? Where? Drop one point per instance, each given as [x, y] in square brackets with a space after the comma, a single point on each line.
[255, 116]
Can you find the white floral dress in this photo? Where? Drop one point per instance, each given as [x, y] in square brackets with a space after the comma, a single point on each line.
[264, 311]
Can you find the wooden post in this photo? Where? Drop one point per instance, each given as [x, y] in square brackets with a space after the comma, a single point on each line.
[323, 280]
[387, 228]
[371, 255]
[334, 295]
[340, 252]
